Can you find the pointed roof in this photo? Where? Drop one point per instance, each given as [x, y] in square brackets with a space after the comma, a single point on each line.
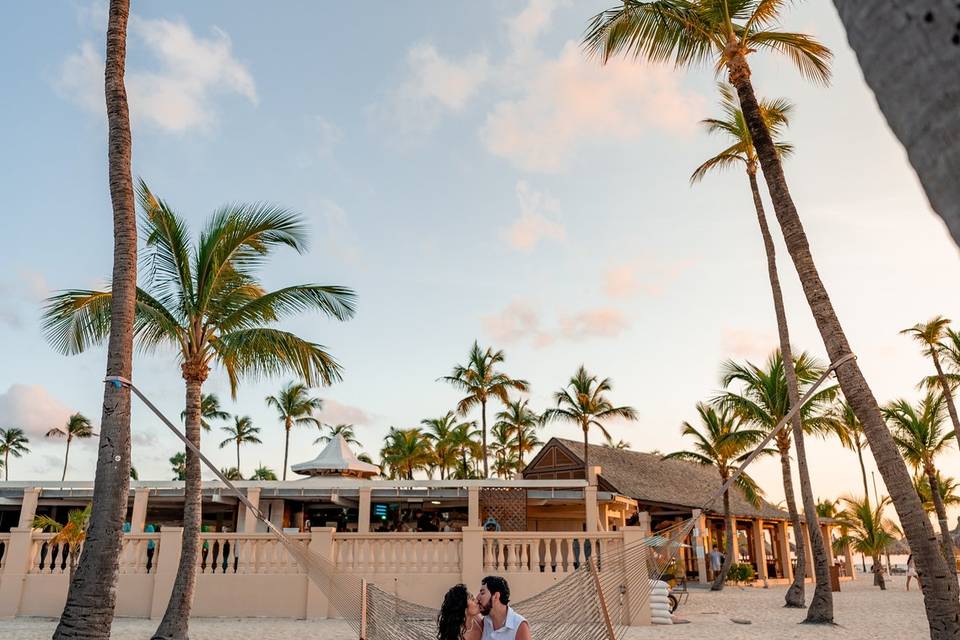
[336, 459]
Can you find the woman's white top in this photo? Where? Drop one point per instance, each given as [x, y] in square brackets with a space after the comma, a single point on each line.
[509, 629]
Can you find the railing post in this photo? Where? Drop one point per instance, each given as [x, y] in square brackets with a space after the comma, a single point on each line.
[16, 565]
[166, 561]
[28, 508]
[249, 522]
[321, 543]
[363, 517]
[699, 544]
[636, 602]
[471, 572]
[139, 517]
[473, 506]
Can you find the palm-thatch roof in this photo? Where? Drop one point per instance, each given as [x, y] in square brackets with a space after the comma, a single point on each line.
[648, 478]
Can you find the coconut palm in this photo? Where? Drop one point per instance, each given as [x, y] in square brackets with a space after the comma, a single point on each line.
[920, 434]
[331, 431]
[849, 430]
[725, 33]
[77, 426]
[503, 448]
[620, 445]
[231, 473]
[294, 407]
[584, 402]
[827, 508]
[481, 381]
[522, 422]
[209, 410]
[764, 399]
[13, 442]
[949, 488]
[73, 533]
[205, 300]
[404, 452]
[440, 432]
[723, 442]
[867, 531]
[263, 473]
[178, 464]
[242, 432]
[465, 441]
[930, 335]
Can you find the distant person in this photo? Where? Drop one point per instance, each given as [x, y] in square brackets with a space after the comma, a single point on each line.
[716, 560]
[912, 572]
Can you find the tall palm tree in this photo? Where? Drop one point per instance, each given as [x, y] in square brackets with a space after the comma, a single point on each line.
[89, 608]
[242, 432]
[205, 300]
[867, 532]
[330, 431]
[919, 433]
[584, 402]
[522, 422]
[465, 440]
[480, 380]
[849, 430]
[764, 399]
[12, 442]
[722, 442]
[405, 451]
[294, 407]
[209, 410]
[178, 463]
[263, 473]
[441, 433]
[73, 533]
[77, 426]
[930, 335]
[725, 33]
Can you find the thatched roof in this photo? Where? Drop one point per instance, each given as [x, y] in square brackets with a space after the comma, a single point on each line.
[646, 477]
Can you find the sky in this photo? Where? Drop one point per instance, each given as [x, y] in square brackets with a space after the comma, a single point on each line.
[473, 175]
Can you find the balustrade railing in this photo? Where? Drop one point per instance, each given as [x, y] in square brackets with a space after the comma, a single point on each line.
[49, 557]
[242, 553]
[4, 545]
[543, 552]
[398, 552]
[139, 553]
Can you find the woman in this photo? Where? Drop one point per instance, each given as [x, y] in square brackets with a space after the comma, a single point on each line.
[459, 617]
[912, 571]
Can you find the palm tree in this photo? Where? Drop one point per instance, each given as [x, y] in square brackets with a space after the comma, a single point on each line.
[948, 486]
[78, 426]
[583, 402]
[503, 449]
[72, 534]
[263, 473]
[725, 32]
[242, 432]
[723, 442]
[440, 432]
[331, 431]
[522, 422]
[178, 462]
[867, 531]
[619, 445]
[464, 439]
[294, 407]
[133, 473]
[930, 335]
[764, 399]
[827, 508]
[480, 380]
[405, 451]
[849, 430]
[920, 435]
[207, 303]
[209, 410]
[231, 473]
[14, 442]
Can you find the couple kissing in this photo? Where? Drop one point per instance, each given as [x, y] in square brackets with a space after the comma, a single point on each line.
[486, 616]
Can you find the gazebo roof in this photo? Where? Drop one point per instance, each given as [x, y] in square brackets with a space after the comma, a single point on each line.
[336, 459]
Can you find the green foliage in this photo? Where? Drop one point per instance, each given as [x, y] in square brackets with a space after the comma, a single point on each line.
[263, 473]
[741, 572]
[178, 462]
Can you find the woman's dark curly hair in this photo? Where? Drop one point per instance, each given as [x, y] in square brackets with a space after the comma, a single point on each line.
[453, 613]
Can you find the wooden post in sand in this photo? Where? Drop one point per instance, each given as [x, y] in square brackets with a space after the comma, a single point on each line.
[603, 602]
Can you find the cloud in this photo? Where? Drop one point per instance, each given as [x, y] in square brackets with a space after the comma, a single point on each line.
[750, 344]
[648, 276]
[334, 412]
[603, 322]
[518, 321]
[533, 224]
[178, 95]
[17, 294]
[33, 409]
[339, 238]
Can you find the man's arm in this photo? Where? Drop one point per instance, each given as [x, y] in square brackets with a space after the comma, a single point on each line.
[523, 631]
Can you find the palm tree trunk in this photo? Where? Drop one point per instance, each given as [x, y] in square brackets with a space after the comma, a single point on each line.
[88, 612]
[6, 466]
[286, 446]
[795, 595]
[878, 579]
[866, 490]
[520, 448]
[66, 456]
[821, 606]
[939, 587]
[238, 456]
[586, 454]
[174, 625]
[947, 395]
[720, 578]
[946, 540]
[483, 418]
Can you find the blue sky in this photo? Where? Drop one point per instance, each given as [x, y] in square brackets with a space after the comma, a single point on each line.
[472, 175]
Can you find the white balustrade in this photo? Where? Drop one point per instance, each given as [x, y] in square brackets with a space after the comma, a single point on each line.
[398, 552]
[244, 553]
[139, 553]
[543, 552]
[49, 557]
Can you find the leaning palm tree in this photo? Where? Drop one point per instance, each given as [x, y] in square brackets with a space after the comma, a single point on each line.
[931, 335]
[867, 531]
[242, 432]
[522, 422]
[480, 381]
[12, 442]
[73, 533]
[724, 33]
[406, 451]
[919, 432]
[205, 301]
[209, 410]
[441, 433]
[330, 431]
[584, 402]
[77, 426]
[263, 473]
[723, 442]
[764, 398]
[178, 464]
[294, 407]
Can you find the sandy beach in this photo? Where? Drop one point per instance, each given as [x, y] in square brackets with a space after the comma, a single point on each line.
[862, 611]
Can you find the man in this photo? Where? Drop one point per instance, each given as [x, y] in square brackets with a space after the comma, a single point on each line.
[716, 560]
[500, 622]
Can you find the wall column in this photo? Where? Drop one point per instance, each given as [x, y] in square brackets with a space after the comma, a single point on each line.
[321, 543]
[786, 567]
[28, 508]
[736, 542]
[165, 571]
[760, 550]
[700, 545]
[473, 506]
[590, 505]
[471, 572]
[16, 563]
[644, 523]
[249, 522]
[139, 518]
[636, 601]
[848, 559]
[363, 517]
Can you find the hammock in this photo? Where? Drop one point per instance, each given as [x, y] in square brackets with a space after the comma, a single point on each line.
[609, 586]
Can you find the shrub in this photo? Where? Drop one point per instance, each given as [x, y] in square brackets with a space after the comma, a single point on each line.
[741, 572]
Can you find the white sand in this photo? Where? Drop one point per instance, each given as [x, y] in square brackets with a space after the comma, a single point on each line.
[861, 611]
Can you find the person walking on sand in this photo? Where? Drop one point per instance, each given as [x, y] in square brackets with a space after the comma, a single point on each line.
[500, 622]
[716, 561]
[912, 572]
